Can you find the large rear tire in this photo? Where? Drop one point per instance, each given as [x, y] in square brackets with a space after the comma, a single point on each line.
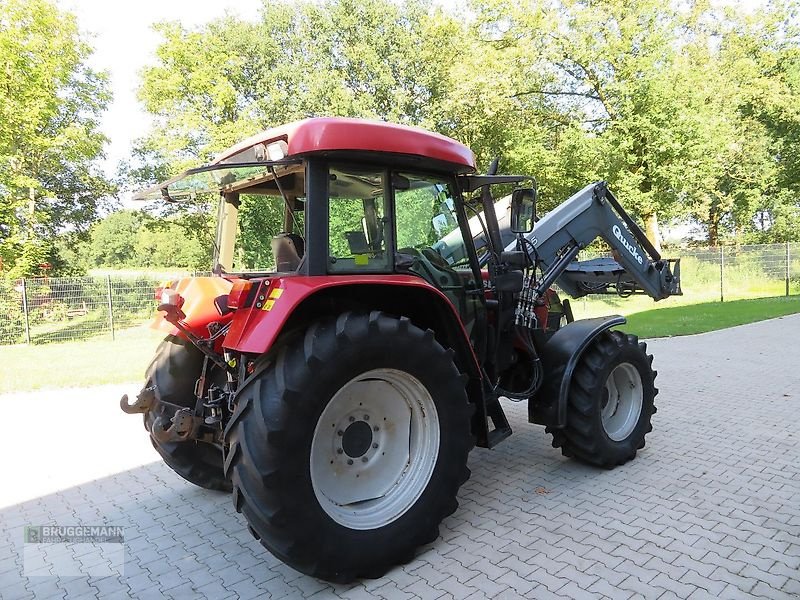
[173, 371]
[349, 447]
[611, 402]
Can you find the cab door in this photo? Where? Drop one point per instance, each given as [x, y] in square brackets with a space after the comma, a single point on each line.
[429, 226]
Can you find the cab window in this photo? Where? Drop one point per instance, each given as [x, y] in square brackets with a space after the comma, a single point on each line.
[357, 223]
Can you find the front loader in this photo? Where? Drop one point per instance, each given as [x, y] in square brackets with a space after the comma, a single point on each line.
[335, 372]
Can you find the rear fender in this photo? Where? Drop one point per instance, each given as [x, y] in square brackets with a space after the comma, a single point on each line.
[289, 303]
[560, 356]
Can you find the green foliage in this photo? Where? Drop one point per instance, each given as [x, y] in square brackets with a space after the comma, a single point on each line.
[131, 238]
[689, 111]
[49, 137]
[211, 87]
[260, 218]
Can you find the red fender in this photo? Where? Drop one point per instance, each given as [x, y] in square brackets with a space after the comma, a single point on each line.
[255, 329]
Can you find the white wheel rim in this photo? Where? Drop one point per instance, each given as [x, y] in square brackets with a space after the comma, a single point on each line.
[623, 404]
[374, 449]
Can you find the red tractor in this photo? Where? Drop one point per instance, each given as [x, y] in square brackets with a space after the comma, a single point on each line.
[335, 373]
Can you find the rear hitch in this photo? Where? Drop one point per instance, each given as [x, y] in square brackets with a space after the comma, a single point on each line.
[144, 401]
[181, 427]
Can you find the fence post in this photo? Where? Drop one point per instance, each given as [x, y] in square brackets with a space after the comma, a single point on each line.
[25, 310]
[110, 306]
[788, 273]
[721, 273]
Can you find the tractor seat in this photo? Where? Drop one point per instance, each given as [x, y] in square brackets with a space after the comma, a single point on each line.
[288, 250]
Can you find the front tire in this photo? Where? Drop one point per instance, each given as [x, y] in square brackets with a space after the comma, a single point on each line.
[348, 449]
[611, 402]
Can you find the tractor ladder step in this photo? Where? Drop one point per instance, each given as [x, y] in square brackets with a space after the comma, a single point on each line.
[497, 423]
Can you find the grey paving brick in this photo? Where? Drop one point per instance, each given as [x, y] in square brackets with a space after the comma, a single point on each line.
[453, 586]
[47, 587]
[17, 591]
[792, 586]
[609, 576]
[551, 582]
[431, 575]
[762, 590]
[520, 585]
[390, 591]
[639, 588]
[742, 583]
[487, 586]
[607, 589]
[422, 589]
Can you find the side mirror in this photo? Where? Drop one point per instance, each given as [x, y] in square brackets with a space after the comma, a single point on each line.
[523, 210]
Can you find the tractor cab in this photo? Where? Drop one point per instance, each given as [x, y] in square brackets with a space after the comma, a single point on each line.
[373, 208]
[350, 199]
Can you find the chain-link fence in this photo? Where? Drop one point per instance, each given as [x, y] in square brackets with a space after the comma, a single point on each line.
[73, 308]
[737, 272]
[57, 309]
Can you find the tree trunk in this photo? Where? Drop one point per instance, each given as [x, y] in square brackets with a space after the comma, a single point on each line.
[652, 231]
[713, 231]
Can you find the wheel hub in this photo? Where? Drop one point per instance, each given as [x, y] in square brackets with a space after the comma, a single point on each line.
[622, 401]
[357, 439]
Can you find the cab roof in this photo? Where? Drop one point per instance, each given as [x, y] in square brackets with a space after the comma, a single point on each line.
[333, 134]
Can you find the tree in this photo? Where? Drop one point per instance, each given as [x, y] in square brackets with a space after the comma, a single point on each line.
[625, 96]
[50, 103]
[134, 238]
[689, 111]
[762, 55]
[113, 239]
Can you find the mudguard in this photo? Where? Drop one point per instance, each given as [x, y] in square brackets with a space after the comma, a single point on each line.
[255, 329]
[560, 357]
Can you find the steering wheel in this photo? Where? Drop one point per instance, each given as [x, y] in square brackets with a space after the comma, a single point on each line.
[433, 267]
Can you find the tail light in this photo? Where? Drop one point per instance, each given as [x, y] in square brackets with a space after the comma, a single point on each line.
[239, 294]
[160, 290]
[171, 297]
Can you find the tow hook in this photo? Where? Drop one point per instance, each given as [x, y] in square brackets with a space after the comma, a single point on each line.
[144, 401]
[183, 426]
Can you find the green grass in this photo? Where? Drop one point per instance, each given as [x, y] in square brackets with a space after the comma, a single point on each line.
[101, 361]
[80, 363]
[708, 316]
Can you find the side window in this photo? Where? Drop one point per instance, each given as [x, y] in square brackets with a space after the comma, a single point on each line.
[430, 240]
[427, 220]
[357, 225]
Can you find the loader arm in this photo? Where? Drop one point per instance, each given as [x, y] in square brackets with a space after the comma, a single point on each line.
[637, 267]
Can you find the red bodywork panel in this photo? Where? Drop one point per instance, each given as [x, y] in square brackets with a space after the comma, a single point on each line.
[327, 134]
[255, 329]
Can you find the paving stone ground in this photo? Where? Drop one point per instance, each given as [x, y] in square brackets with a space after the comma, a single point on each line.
[709, 509]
